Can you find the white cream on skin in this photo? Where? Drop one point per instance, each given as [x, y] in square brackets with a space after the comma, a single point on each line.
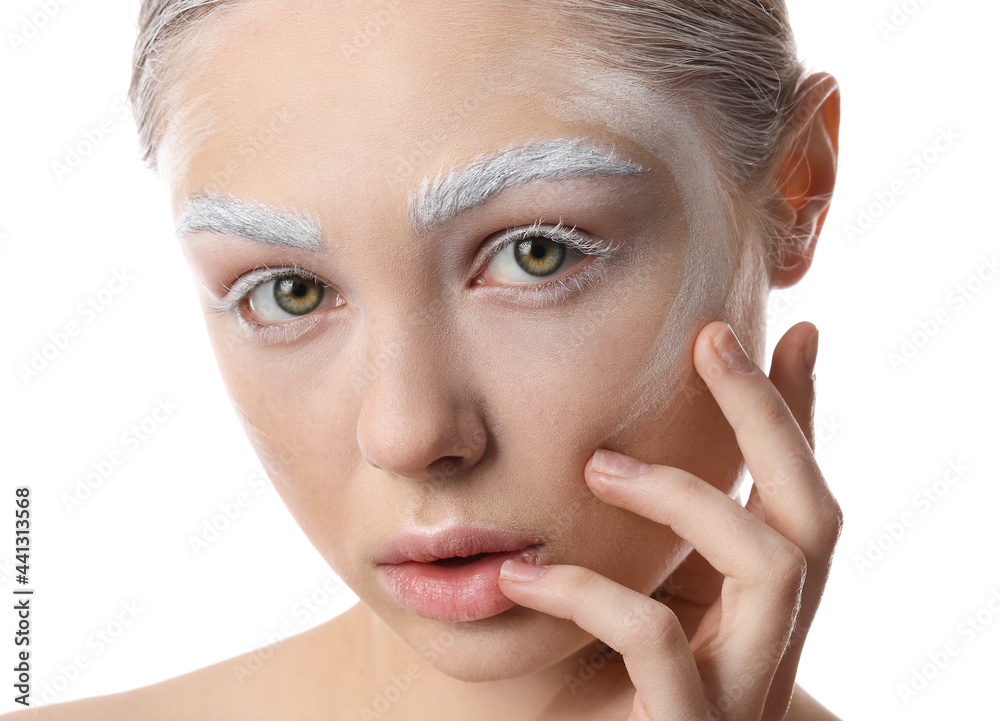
[615, 101]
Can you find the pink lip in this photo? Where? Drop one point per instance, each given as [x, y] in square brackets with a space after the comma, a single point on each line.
[455, 591]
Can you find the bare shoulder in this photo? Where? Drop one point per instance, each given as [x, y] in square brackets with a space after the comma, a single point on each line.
[296, 678]
[806, 708]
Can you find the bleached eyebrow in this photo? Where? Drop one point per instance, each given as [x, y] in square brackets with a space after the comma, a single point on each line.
[252, 220]
[484, 177]
[437, 201]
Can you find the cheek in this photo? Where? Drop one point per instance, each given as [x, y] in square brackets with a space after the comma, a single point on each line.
[618, 375]
[300, 428]
[576, 367]
[565, 382]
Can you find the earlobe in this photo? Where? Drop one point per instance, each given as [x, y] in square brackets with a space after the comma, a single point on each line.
[806, 179]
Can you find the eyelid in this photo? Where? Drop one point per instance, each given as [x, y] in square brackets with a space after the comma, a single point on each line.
[569, 237]
[243, 285]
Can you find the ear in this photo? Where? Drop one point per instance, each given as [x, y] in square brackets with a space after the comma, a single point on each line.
[806, 177]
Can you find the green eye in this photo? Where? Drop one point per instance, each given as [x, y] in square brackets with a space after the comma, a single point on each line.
[287, 297]
[533, 257]
[296, 295]
[539, 256]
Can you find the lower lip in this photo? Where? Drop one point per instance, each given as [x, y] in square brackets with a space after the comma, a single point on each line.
[466, 592]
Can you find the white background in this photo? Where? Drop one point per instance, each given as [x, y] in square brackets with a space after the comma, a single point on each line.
[889, 431]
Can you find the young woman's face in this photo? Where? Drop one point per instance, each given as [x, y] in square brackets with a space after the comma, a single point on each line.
[422, 383]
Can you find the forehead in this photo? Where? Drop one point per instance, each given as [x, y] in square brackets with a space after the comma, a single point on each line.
[307, 96]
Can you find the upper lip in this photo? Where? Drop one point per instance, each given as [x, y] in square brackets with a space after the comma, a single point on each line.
[426, 545]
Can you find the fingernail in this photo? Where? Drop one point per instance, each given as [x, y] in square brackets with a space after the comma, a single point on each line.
[618, 464]
[809, 353]
[519, 571]
[729, 349]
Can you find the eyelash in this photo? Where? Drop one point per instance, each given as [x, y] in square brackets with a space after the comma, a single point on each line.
[552, 291]
[556, 290]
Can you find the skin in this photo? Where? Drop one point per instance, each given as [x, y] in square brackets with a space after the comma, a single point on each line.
[427, 396]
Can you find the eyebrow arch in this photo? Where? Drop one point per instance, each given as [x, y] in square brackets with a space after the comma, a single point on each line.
[250, 219]
[486, 176]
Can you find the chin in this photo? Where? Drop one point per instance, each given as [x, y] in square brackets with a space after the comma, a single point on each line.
[514, 643]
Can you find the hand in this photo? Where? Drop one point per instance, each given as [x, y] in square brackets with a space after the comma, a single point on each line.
[774, 555]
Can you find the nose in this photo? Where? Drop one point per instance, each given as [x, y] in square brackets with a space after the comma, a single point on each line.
[419, 417]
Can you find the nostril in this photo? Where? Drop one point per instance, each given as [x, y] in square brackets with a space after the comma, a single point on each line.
[446, 466]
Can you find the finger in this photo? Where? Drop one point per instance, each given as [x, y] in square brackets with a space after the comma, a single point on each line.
[792, 374]
[644, 631]
[789, 491]
[795, 497]
[764, 570]
[783, 681]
